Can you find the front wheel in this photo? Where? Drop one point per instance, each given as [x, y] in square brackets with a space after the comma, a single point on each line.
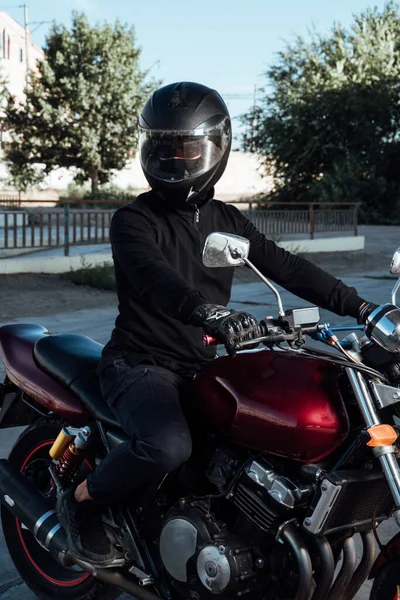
[42, 573]
[387, 582]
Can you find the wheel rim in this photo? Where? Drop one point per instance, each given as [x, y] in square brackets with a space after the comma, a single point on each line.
[41, 560]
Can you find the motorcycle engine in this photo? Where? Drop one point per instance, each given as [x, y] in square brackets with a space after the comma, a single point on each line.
[201, 556]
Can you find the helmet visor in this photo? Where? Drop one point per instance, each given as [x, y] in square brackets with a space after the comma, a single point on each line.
[180, 155]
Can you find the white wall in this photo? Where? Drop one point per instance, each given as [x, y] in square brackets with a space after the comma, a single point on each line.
[242, 178]
[11, 64]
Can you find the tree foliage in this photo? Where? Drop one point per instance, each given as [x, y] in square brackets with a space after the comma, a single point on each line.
[81, 105]
[4, 96]
[328, 126]
[4, 93]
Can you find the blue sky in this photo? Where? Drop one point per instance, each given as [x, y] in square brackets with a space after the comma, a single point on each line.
[226, 44]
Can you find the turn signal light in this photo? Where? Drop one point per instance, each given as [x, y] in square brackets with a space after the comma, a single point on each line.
[381, 435]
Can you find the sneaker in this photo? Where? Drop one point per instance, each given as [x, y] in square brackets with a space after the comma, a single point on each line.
[87, 537]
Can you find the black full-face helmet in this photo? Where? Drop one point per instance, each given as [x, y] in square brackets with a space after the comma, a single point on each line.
[184, 141]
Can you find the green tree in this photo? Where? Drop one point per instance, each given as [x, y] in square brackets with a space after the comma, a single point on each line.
[328, 126]
[4, 95]
[81, 105]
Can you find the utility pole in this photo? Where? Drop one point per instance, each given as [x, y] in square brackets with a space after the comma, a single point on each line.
[253, 120]
[27, 41]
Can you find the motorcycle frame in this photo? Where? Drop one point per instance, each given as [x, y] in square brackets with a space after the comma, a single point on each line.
[16, 409]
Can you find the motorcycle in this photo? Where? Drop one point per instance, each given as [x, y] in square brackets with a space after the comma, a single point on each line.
[296, 449]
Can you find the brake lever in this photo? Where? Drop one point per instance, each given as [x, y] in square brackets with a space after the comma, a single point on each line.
[266, 340]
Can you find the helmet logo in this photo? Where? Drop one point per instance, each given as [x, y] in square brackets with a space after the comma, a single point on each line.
[178, 99]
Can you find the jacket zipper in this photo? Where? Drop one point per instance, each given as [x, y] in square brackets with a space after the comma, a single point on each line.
[196, 221]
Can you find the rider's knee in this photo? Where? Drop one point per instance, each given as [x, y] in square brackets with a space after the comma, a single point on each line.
[170, 449]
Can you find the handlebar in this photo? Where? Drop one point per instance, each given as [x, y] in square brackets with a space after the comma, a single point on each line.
[276, 337]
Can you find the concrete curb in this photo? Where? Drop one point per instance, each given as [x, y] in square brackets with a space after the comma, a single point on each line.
[62, 264]
[55, 264]
[334, 244]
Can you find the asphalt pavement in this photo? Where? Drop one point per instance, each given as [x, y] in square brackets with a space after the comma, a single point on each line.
[253, 297]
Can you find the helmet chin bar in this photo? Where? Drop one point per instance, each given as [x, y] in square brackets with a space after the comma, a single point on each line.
[193, 193]
[168, 191]
[205, 188]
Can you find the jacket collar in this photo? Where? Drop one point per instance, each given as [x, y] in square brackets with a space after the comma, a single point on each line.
[186, 209]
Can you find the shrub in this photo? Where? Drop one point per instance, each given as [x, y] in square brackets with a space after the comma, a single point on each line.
[97, 276]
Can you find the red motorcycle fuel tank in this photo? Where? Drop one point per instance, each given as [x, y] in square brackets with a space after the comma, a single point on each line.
[275, 402]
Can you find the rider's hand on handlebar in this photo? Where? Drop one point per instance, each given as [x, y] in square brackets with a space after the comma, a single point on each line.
[229, 327]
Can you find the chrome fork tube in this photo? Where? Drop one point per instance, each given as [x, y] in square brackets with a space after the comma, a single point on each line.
[391, 469]
[364, 400]
[385, 454]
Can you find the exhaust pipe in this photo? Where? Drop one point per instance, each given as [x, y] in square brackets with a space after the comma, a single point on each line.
[327, 568]
[344, 578]
[291, 535]
[365, 566]
[37, 514]
[33, 510]
[120, 579]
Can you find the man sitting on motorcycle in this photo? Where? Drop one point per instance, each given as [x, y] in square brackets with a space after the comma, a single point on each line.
[167, 298]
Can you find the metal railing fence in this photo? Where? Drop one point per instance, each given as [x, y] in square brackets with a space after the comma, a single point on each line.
[36, 227]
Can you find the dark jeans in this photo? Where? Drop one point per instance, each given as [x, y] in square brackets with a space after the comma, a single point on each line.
[146, 401]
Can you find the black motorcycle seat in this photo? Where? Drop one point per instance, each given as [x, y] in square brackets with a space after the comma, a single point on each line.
[72, 360]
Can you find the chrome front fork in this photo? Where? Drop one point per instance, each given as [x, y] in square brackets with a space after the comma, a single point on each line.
[385, 454]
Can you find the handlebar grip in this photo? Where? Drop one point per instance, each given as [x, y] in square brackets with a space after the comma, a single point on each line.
[209, 340]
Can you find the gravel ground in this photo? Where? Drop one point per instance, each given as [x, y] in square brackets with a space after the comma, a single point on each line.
[39, 295]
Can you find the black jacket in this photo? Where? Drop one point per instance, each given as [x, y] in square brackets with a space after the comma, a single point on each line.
[157, 252]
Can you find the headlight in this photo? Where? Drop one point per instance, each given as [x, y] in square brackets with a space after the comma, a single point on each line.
[383, 327]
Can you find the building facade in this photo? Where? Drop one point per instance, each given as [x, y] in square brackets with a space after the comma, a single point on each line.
[14, 65]
[13, 56]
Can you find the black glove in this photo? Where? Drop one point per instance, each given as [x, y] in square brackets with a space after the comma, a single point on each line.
[366, 309]
[228, 326]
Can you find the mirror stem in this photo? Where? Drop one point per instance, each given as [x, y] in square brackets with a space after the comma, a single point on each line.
[269, 284]
[394, 292]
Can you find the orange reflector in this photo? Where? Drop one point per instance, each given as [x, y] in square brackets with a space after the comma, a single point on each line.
[381, 435]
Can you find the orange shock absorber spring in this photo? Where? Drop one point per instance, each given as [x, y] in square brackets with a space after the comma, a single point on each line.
[72, 458]
[68, 464]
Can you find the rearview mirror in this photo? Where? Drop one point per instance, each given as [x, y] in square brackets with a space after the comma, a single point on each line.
[395, 264]
[395, 270]
[225, 250]
[229, 250]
